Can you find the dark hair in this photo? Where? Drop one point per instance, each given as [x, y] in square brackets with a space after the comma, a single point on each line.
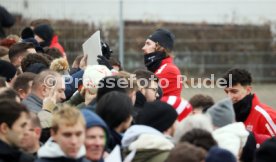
[114, 108]
[8, 93]
[115, 62]
[22, 81]
[10, 111]
[143, 75]
[200, 101]
[237, 76]
[109, 84]
[185, 152]
[200, 138]
[32, 59]
[53, 52]
[19, 48]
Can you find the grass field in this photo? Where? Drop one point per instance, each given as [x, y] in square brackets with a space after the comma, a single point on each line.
[265, 92]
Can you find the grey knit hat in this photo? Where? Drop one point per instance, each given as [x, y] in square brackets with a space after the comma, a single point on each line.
[222, 113]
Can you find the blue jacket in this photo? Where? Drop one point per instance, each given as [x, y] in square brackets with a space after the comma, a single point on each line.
[72, 83]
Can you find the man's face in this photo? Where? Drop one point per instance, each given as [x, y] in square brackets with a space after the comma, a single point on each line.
[15, 134]
[94, 143]
[70, 138]
[60, 88]
[149, 46]
[238, 92]
[16, 61]
[31, 137]
[150, 92]
[56, 91]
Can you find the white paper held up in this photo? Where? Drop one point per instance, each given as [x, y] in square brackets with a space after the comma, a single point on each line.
[92, 48]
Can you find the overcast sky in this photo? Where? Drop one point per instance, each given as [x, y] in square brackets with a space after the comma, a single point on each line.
[212, 11]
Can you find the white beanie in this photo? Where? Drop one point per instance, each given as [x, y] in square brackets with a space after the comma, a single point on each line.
[92, 76]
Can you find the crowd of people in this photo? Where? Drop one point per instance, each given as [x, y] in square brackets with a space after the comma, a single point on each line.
[53, 111]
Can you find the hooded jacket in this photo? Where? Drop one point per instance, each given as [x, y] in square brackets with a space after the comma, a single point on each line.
[150, 144]
[231, 137]
[51, 152]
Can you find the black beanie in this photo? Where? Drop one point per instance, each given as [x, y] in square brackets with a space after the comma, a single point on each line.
[7, 70]
[163, 37]
[158, 115]
[27, 33]
[45, 32]
[266, 152]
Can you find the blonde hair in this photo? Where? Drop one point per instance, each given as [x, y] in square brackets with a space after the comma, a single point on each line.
[67, 115]
[60, 65]
[130, 79]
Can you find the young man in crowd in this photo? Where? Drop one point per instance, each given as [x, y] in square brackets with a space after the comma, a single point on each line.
[67, 138]
[257, 117]
[97, 136]
[18, 51]
[14, 119]
[147, 87]
[158, 59]
[30, 142]
[23, 84]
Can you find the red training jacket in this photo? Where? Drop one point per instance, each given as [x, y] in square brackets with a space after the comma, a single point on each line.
[170, 78]
[55, 44]
[261, 119]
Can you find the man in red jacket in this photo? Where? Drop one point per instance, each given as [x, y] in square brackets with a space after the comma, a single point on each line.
[257, 117]
[158, 59]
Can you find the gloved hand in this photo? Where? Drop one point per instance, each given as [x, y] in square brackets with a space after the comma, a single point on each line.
[103, 61]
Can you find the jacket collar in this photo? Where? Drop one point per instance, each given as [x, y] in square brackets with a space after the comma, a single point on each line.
[166, 60]
[55, 39]
[52, 150]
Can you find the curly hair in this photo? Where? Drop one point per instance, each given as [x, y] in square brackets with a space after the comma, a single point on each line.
[34, 58]
[237, 76]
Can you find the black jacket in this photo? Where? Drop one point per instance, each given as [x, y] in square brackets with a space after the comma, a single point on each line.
[9, 154]
[6, 20]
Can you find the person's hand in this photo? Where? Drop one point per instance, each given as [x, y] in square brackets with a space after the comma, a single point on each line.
[83, 62]
[103, 61]
[49, 103]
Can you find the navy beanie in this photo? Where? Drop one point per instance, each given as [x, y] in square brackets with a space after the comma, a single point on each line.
[158, 115]
[217, 154]
[163, 37]
[45, 32]
[92, 120]
[7, 70]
